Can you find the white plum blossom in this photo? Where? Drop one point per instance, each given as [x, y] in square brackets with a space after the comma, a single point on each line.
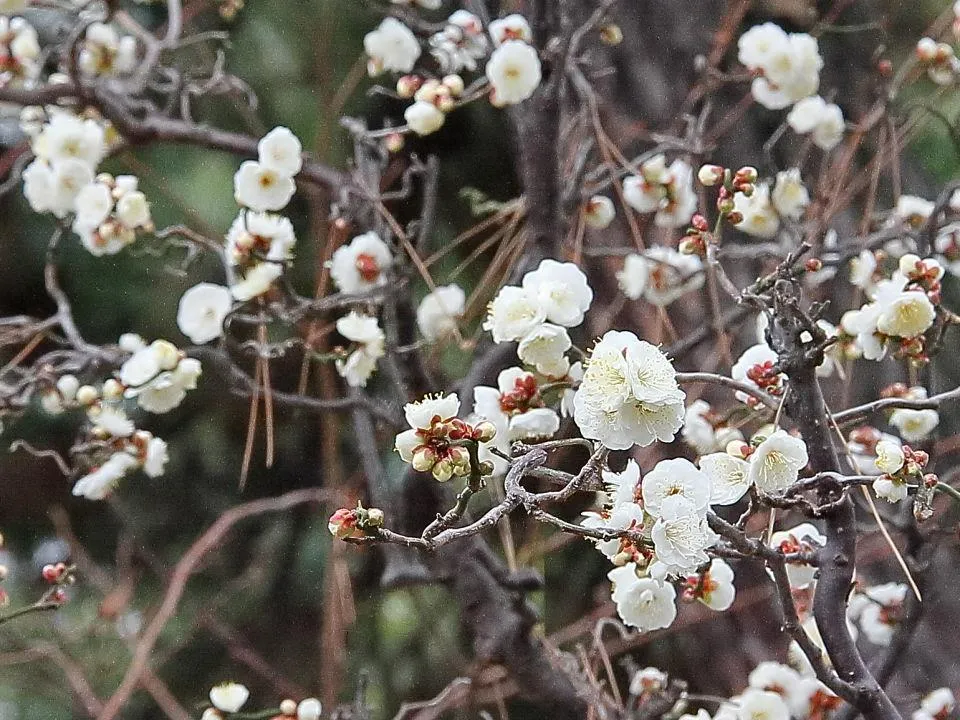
[19, 46]
[510, 27]
[681, 535]
[362, 264]
[677, 477]
[915, 425]
[717, 590]
[625, 516]
[147, 362]
[101, 481]
[913, 210]
[260, 187]
[309, 709]
[156, 457]
[879, 617]
[439, 311]
[229, 697]
[267, 235]
[424, 118]
[789, 65]
[515, 409]
[936, 705]
[168, 389]
[514, 313]
[111, 420]
[256, 281]
[762, 705]
[667, 191]
[280, 150]
[460, 44]
[890, 457]
[862, 269]
[643, 603]
[907, 314]
[629, 394]
[802, 538]
[599, 212]
[760, 218]
[544, 348]
[514, 72]
[104, 52]
[790, 197]
[648, 680]
[392, 47]
[728, 476]
[202, 310]
[660, 275]
[54, 187]
[562, 291]
[698, 432]
[67, 137]
[364, 330]
[774, 677]
[814, 115]
[776, 462]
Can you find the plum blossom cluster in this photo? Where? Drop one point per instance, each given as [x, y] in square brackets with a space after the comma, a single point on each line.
[109, 212]
[259, 241]
[105, 53]
[439, 442]
[787, 66]
[157, 375]
[939, 60]
[229, 698]
[900, 466]
[536, 314]
[901, 310]
[877, 610]
[660, 275]
[667, 191]
[513, 69]
[354, 522]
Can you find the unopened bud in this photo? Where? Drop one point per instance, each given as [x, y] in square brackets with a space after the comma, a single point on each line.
[459, 456]
[699, 222]
[622, 558]
[725, 205]
[394, 142]
[930, 480]
[68, 385]
[885, 68]
[813, 264]
[485, 431]
[375, 517]
[87, 395]
[710, 175]
[487, 467]
[738, 449]
[746, 174]
[926, 49]
[454, 83]
[49, 574]
[408, 85]
[692, 246]
[423, 459]
[735, 217]
[446, 103]
[112, 389]
[611, 34]
[443, 470]
[747, 189]
[288, 707]
[428, 91]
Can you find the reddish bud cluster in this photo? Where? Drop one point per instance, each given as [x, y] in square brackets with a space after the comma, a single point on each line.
[697, 236]
[813, 264]
[54, 574]
[525, 395]
[766, 377]
[694, 587]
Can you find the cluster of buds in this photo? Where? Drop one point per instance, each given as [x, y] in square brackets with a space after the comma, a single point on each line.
[695, 240]
[443, 451]
[742, 181]
[58, 576]
[632, 552]
[308, 709]
[356, 522]
[599, 212]
[433, 99]
[938, 57]
[901, 464]
[913, 350]
[524, 396]
[924, 274]
[110, 211]
[68, 394]
[767, 377]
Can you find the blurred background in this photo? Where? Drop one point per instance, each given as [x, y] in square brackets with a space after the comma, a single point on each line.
[279, 607]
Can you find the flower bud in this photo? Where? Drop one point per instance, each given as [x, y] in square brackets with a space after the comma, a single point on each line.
[112, 389]
[735, 217]
[485, 431]
[746, 175]
[408, 85]
[309, 709]
[394, 142]
[167, 354]
[49, 574]
[725, 205]
[611, 34]
[87, 395]
[926, 49]
[424, 458]
[375, 517]
[738, 449]
[343, 524]
[288, 707]
[699, 222]
[813, 264]
[930, 480]
[908, 264]
[710, 175]
[68, 385]
[428, 91]
[692, 246]
[445, 103]
[599, 212]
[443, 470]
[487, 467]
[459, 456]
[454, 83]
[622, 558]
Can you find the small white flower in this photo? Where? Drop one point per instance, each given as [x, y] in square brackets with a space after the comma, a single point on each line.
[257, 281]
[67, 137]
[941, 701]
[760, 219]
[774, 677]
[92, 206]
[280, 150]
[802, 538]
[729, 477]
[439, 311]
[364, 330]
[544, 347]
[511, 27]
[762, 705]
[111, 420]
[661, 275]
[259, 187]
[561, 289]
[681, 536]
[146, 363]
[879, 617]
[514, 72]
[392, 47]
[514, 313]
[104, 52]
[677, 477]
[890, 488]
[862, 268]
[824, 120]
[790, 196]
[99, 483]
[789, 65]
[641, 602]
[915, 425]
[890, 457]
[420, 414]
[202, 310]
[648, 680]
[229, 697]
[777, 462]
[424, 117]
[133, 210]
[718, 591]
[698, 431]
[913, 210]
[156, 457]
[268, 235]
[362, 264]
[599, 212]
[54, 187]
[907, 315]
